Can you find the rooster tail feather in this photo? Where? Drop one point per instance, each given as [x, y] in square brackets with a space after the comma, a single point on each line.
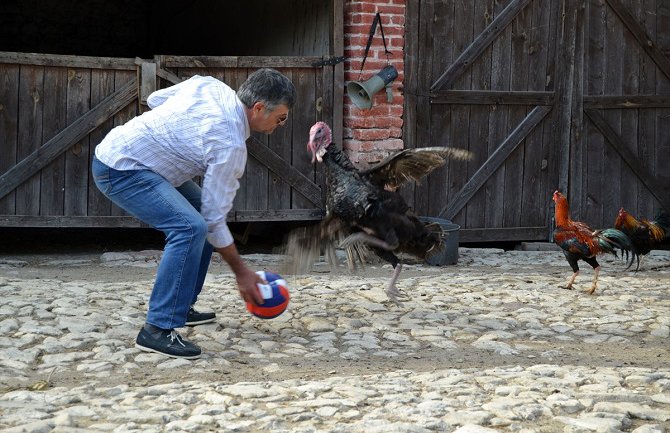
[611, 240]
[663, 221]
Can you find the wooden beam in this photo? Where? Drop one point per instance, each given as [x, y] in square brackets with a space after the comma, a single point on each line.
[67, 61]
[503, 234]
[37, 160]
[279, 215]
[477, 47]
[638, 31]
[627, 101]
[239, 62]
[61, 221]
[659, 190]
[495, 160]
[491, 97]
[283, 169]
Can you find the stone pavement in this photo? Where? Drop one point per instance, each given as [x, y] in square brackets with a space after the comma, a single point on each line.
[491, 344]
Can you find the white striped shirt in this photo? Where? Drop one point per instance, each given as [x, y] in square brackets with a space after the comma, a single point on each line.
[195, 128]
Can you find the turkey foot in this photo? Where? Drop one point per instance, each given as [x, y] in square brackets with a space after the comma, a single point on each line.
[391, 290]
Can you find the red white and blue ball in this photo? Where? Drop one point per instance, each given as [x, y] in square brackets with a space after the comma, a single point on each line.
[275, 296]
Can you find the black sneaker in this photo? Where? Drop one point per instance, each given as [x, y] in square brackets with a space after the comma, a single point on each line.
[196, 318]
[168, 343]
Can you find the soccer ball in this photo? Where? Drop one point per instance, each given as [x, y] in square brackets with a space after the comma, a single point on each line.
[275, 294]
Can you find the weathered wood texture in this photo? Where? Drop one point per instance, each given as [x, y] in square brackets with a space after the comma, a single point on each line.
[598, 118]
[55, 109]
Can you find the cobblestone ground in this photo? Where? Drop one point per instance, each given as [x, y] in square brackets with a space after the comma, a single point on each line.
[490, 344]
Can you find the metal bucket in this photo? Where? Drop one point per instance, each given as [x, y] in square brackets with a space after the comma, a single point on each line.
[449, 253]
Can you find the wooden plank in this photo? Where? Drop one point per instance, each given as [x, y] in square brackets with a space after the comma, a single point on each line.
[279, 215]
[233, 77]
[566, 74]
[575, 83]
[62, 221]
[627, 101]
[31, 86]
[475, 209]
[505, 234]
[459, 128]
[514, 163]
[67, 61]
[492, 97]
[472, 52]
[288, 173]
[240, 62]
[66, 138]
[54, 121]
[648, 118]
[534, 182]
[102, 85]
[121, 79]
[494, 161]
[658, 189]
[148, 81]
[629, 121]
[324, 107]
[278, 191]
[593, 155]
[646, 42]
[613, 71]
[303, 119]
[337, 45]
[501, 71]
[431, 52]
[9, 115]
[77, 156]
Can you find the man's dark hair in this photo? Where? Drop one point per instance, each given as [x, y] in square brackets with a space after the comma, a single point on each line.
[269, 86]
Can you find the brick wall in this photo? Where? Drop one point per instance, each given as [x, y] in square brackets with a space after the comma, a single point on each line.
[369, 135]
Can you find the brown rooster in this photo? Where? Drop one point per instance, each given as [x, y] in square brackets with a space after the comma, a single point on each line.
[580, 242]
[645, 235]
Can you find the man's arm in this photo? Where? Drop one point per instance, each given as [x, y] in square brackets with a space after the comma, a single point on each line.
[246, 278]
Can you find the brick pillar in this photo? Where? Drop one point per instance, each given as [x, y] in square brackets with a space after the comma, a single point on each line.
[370, 135]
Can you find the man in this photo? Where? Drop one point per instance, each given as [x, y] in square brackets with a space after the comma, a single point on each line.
[196, 128]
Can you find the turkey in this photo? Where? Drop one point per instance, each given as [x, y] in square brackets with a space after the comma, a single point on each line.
[364, 209]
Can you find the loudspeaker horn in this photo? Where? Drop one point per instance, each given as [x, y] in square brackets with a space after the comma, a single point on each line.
[361, 93]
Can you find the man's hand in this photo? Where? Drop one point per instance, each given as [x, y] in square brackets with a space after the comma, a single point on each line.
[247, 281]
[246, 278]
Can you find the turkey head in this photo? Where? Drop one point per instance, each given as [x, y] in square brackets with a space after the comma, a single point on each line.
[320, 137]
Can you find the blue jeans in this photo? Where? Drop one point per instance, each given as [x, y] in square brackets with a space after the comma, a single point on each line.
[150, 198]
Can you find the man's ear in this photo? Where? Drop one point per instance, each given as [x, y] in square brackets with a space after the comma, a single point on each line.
[258, 107]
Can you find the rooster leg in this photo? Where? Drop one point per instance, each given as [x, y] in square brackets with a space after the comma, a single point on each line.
[596, 267]
[595, 281]
[366, 238]
[571, 281]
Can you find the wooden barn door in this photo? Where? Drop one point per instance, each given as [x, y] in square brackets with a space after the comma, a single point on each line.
[55, 109]
[485, 81]
[622, 71]
[547, 95]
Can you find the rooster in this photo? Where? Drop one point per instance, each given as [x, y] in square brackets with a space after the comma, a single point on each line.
[645, 235]
[580, 242]
[365, 208]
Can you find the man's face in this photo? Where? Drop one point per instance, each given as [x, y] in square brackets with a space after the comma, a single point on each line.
[266, 121]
